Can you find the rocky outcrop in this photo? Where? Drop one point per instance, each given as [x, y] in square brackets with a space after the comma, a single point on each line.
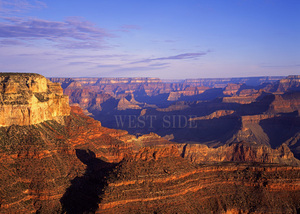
[27, 99]
[124, 104]
[216, 114]
[243, 99]
[173, 96]
[239, 152]
[285, 103]
[291, 83]
[187, 91]
[231, 89]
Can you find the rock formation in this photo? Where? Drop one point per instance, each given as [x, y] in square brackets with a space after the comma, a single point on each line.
[27, 99]
[160, 181]
[124, 103]
[289, 84]
[40, 162]
[215, 114]
[75, 165]
[239, 152]
[84, 91]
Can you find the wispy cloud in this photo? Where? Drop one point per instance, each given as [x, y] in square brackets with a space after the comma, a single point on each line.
[74, 33]
[17, 6]
[175, 57]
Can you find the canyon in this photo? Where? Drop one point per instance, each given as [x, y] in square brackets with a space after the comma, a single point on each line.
[224, 110]
[242, 157]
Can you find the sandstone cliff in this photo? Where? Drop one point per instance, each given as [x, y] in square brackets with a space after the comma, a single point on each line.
[27, 99]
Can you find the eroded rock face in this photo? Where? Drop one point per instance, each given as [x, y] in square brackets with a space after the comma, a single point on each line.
[79, 166]
[83, 167]
[38, 163]
[85, 91]
[239, 152]
[290, 83]
[160, 181]
[27, 99]
[285, 103]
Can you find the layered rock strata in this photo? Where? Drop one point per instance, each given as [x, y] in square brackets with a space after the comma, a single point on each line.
[75, 165]
[160, 181]
[27, 99]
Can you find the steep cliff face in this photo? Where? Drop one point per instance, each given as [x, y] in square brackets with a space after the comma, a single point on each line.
[239, 152]
[160, 181]
[27, 99]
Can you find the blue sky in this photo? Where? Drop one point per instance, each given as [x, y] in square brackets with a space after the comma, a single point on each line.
[173, 39]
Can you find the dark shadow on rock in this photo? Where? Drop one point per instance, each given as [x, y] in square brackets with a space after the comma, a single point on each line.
[109, 105]
[283, 128]
[160, 100]
[209, 94]
[84, 194]
[261, 105]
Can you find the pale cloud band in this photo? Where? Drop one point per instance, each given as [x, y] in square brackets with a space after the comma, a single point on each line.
[71, 33]
[175, 57]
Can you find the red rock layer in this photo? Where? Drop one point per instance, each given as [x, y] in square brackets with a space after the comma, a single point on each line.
[51, 168]
[39, 161]
[290, 83]
[239, 152]
[167, 183]
[285, 103]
